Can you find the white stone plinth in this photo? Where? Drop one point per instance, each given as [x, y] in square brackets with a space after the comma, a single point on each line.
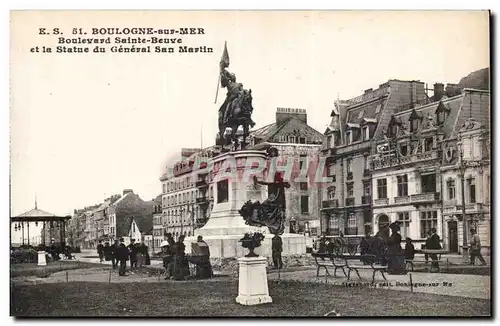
[252, 286]
[41, 259]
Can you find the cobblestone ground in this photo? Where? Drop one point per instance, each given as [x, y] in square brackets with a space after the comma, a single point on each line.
[460, 285]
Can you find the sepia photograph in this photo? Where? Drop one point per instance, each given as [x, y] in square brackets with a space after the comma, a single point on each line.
[250, 163]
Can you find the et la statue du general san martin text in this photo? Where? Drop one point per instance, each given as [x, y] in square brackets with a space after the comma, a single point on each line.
[183, 40]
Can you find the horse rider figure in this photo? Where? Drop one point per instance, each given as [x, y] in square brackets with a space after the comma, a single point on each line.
[234, 93]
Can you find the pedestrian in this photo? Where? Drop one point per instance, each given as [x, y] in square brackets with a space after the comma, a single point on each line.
[100, 251]
[180, 271]
[114, 248]
[434, 244]
[140, 254]
[133, 254]
[409, 249]
[427, 242]
[395, 258]
[277, 249]
[107, 251]
[475, 249]
[204, 268]
[122, 254]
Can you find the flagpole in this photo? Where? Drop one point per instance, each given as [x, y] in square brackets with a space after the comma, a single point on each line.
[217, 92]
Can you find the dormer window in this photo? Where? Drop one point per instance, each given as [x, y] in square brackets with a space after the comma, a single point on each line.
[366, 133]
[414, 121]
[393, 130]
[414, 125]
[441, 113]
[348, 137]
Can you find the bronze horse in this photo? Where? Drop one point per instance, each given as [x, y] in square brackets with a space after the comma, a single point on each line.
[240, 115]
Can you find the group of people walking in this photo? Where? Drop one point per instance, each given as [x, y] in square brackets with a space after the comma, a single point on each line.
[118, 253]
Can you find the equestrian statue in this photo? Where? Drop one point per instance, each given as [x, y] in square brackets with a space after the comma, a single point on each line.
[237, 108]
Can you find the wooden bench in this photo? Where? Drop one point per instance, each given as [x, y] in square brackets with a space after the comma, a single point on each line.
[368, 266]
[328, 261]
[438, 252]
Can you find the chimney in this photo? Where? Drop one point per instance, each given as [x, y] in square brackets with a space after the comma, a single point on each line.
[452, 90]
[283, 114]
[126, 191]
[438, 91]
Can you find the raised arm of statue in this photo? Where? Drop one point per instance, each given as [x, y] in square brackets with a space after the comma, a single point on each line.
[256, 181]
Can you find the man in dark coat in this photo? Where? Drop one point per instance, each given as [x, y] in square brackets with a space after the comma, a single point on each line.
[100, 251]
[475, 248]
[434, 243]
[107, 251]
[113, 249]
[427, 241]
[180, 272]
[204, 268]
[132, 248]
[122, 254]
[409, 249]
[277, 249]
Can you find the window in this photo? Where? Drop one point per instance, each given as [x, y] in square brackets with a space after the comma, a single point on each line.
[393, 130]
[428, 183]
[366, 188]
[302, 140]
[382, 188]
[329, 142]
[404, 218]
[350, 190]
[366, 166]
[331, 192]
[303, 186]
[428, 144]
[428, 220]
[450, 184]
[366, 133]
[414, 125]
[331, 170]
[472, 190]
[352, 227]
[291, 139]
[334, 226]
[402, 185]
[304, 204]
[348, 137]
[164, 188]
[348, 165]
[403, 149]
[303, 162]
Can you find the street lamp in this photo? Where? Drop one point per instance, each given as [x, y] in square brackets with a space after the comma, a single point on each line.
[462, 167]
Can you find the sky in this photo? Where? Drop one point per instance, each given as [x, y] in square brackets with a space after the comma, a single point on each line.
[86, 126]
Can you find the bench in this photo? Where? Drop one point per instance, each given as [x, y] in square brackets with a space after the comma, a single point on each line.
[367, 266]
[327, 261]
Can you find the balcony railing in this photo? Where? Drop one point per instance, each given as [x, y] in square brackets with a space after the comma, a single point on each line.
[201, 200]
[366, 200]
[351, 231]
[349, 201]
[402, 199]
[201, 183]
[382, 162]
[425, 197]
[332, 203]
[381, 201]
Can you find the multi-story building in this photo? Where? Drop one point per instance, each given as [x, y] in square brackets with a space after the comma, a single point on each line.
[414, 163]
[346, 205]
[180, 203]
[298, 145]
[466, 165]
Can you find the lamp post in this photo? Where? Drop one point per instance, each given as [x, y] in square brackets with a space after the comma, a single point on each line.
[462, 167]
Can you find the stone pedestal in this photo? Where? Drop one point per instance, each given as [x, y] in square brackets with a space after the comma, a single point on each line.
[226, 226]
[252, 286]
[42, 261]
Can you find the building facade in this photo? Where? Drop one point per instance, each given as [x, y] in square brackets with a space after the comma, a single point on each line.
[347, 200]
[414, 169]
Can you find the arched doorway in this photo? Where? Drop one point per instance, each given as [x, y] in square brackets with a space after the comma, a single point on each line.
[383, 221]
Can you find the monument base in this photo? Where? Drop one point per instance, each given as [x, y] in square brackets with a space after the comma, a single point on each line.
[252, 285]
[42, 261]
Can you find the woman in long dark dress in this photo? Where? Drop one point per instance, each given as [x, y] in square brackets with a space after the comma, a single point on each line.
[395, 254]
[180, 270]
